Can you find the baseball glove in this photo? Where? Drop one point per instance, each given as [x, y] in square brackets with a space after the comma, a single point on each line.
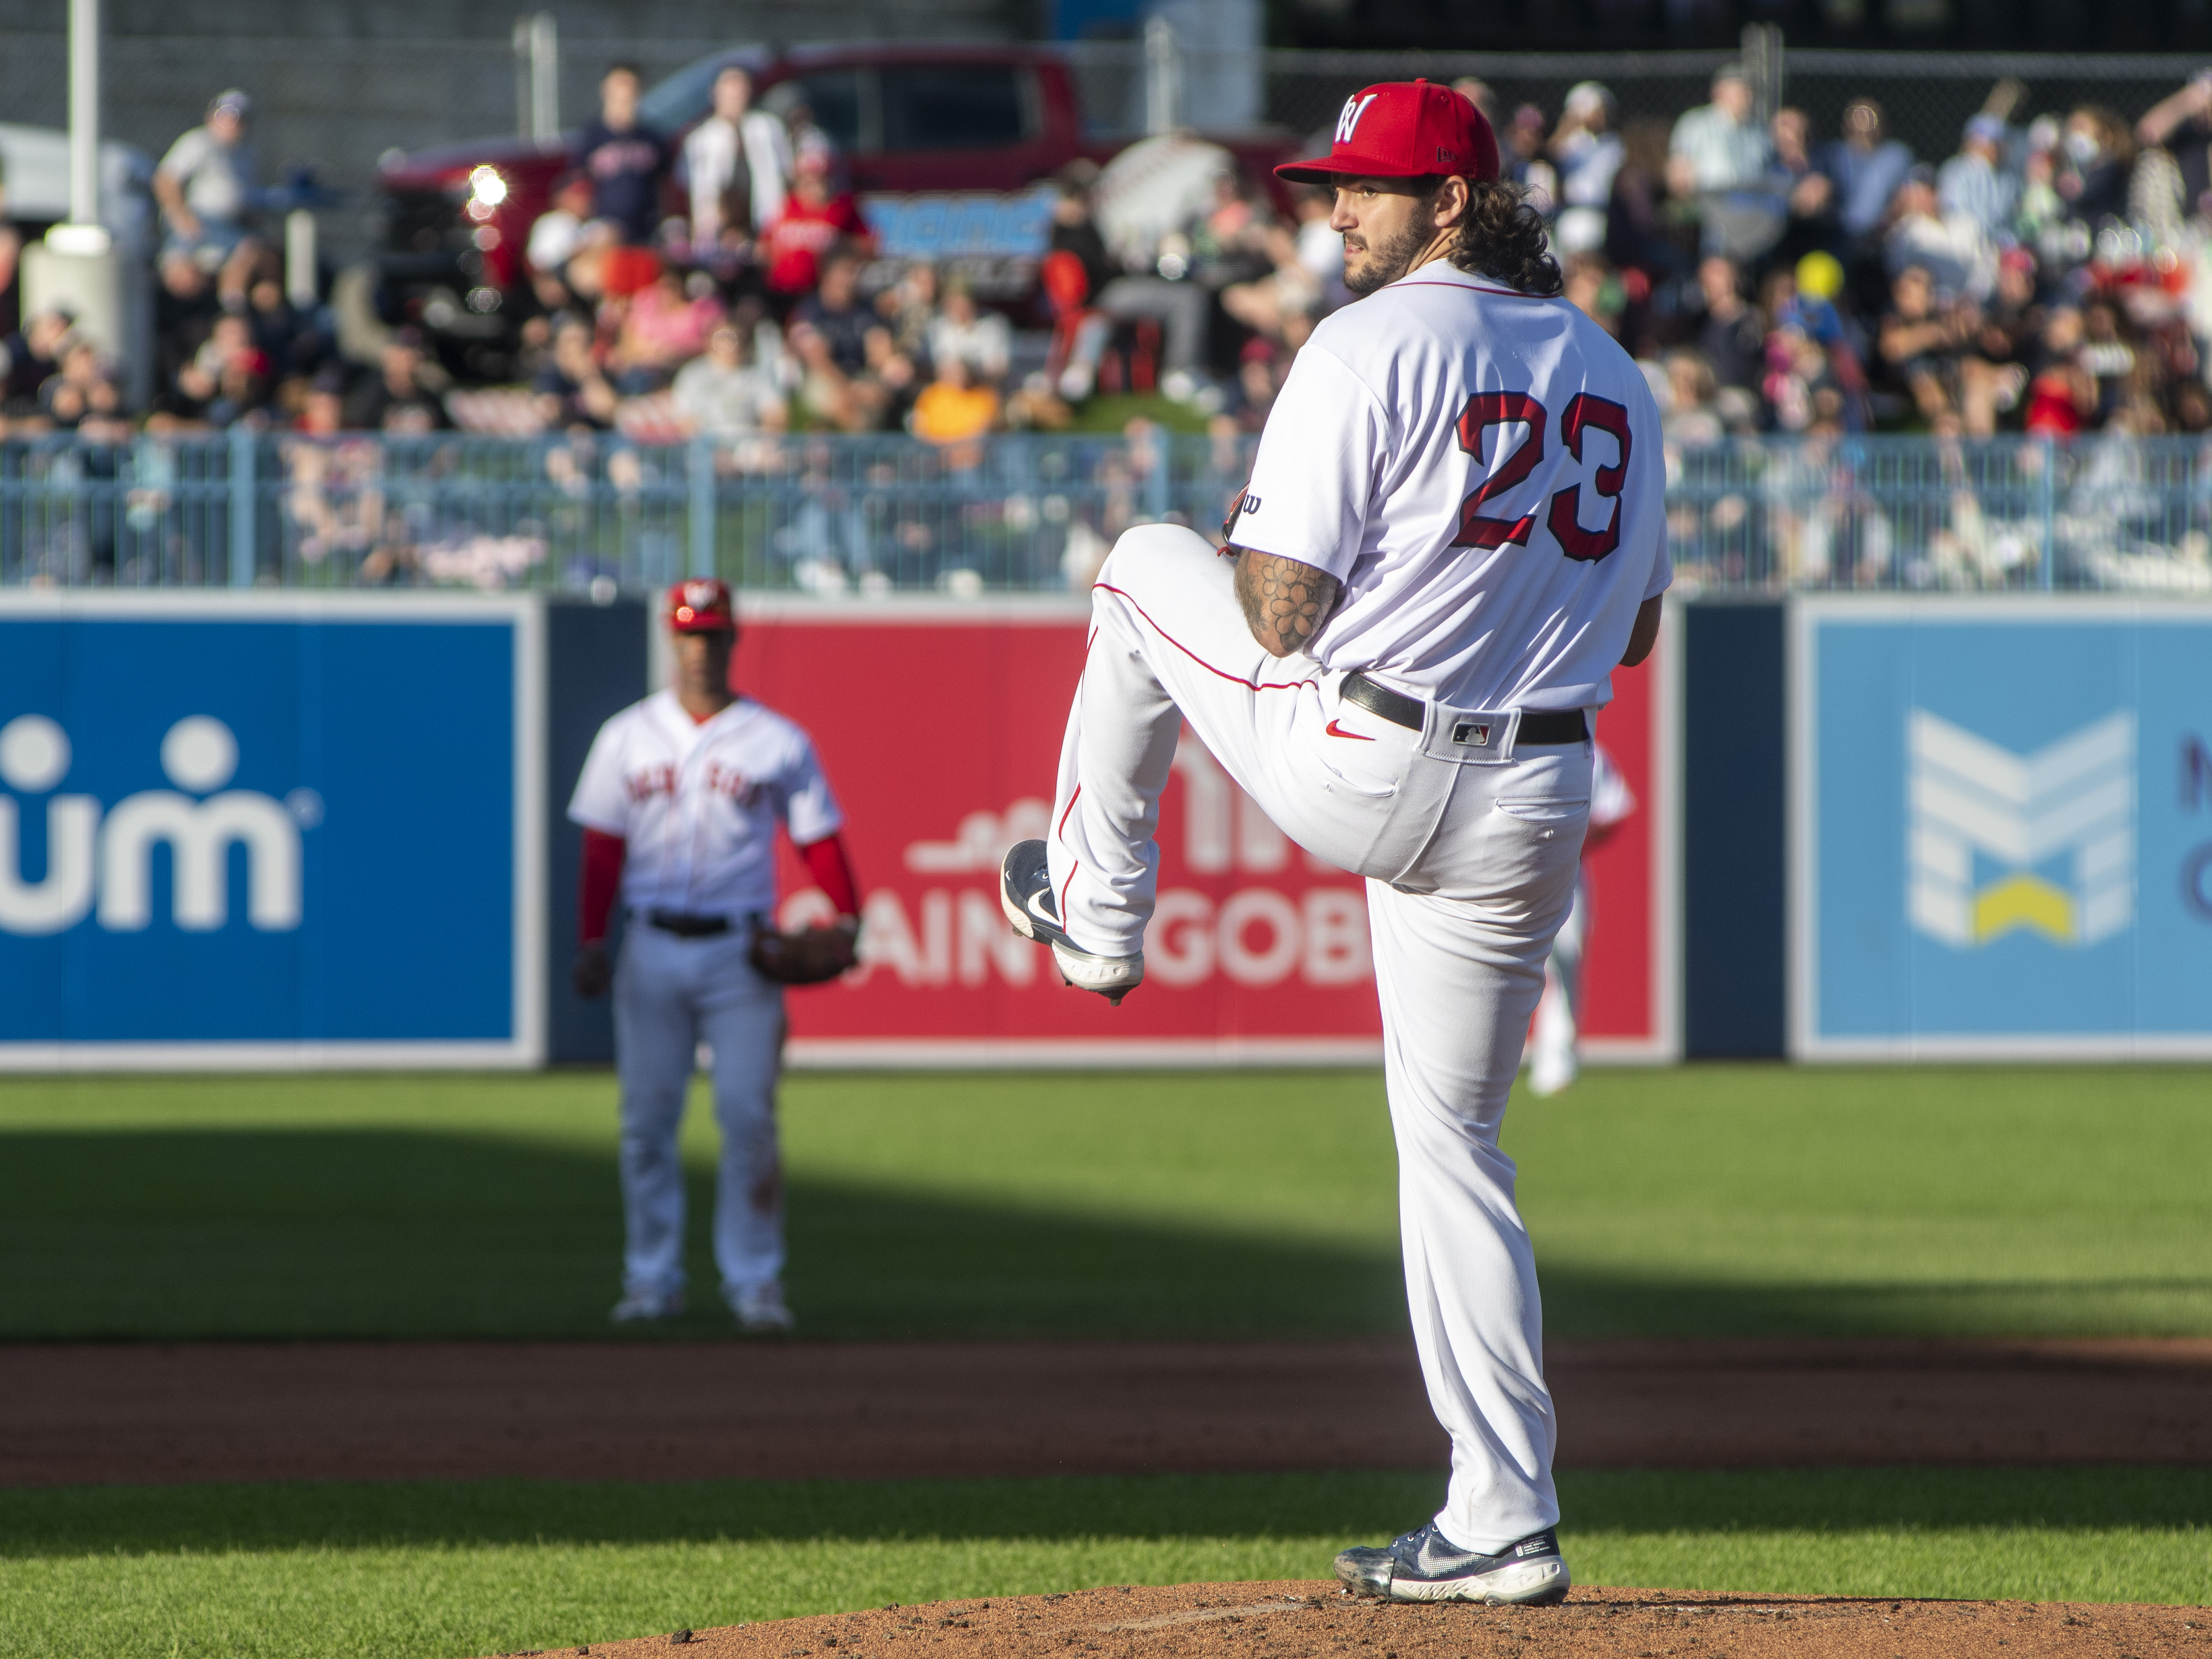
[808, 956]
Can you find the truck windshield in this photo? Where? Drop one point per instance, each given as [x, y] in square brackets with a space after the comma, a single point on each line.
[952, 106]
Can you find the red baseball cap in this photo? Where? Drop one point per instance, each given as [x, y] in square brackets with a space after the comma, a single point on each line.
[701, 604]
[1403, 130]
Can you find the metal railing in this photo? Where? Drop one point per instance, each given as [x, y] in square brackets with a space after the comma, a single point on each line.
[1020, 513]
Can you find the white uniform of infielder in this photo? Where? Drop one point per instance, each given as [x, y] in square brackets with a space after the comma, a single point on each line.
[1471, 476]
[1555, 1061]
[693, 800]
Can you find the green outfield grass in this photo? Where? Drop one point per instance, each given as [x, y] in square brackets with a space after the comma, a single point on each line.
[1707, 1200]
[436, 1570]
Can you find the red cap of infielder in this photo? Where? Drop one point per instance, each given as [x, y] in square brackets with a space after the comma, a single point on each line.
[1403, 130]
[701, 604]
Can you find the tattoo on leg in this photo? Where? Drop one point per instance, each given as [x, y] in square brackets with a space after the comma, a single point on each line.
[1284, 602]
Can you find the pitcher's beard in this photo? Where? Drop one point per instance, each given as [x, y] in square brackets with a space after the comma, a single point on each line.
[1386, 261]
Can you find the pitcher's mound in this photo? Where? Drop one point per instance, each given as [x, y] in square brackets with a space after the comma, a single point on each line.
[1291, 1619]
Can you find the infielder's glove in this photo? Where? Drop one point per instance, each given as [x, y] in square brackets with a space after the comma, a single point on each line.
[809, 956]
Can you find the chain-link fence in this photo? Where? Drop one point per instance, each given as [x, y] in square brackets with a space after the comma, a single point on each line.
[1025, 513]
[1927, 96]
[338, 105]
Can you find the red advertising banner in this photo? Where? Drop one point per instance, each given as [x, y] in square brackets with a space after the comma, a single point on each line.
[940, 728]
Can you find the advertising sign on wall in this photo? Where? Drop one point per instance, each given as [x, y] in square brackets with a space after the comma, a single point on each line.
[2001, 828]
[940, 728]
[270, 831]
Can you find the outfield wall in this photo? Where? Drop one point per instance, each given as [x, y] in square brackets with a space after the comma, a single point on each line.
[284, 830]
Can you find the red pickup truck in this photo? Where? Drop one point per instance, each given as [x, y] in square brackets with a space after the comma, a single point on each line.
[944, 144]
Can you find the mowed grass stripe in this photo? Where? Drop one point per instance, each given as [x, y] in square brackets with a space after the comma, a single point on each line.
[1705, 1200]
[439, 1570]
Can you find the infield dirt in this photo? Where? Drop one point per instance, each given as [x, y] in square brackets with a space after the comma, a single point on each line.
[1291, 1619]
[161, 1414]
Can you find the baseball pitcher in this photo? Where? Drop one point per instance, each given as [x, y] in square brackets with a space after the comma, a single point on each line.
[1453, 532]
[680, 799]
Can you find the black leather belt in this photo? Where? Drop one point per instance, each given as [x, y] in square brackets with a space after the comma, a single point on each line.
[686, 926]
[1537, 726]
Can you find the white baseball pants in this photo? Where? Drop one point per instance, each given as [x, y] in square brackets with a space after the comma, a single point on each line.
[670, 995]
[1470, 869]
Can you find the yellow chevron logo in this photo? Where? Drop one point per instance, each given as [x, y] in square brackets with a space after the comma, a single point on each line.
[2023, 901]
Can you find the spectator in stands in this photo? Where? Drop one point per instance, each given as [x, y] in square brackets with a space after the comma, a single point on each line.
[396, 400]
[1809, 193]
[738, 166]
[206, 186]
[1075, 228]
[814, 219]
[1521, 157]
[1922, 342]
[664, 326]
[623, 159]
[1865, 168]
[909, 309]
[558, 232]
[84, 397]
[1722, 149]
[835, 311]
[723, 394]
[1588, 154]
[573, 390]
[2173, 182]
[2098, 154]
[1950, 249]
[955, 408]
[34, 356]
[228, 378]
[828, 396]
[2062, 397]
[1731, 337]
[1477, 92]
[1976, 183]
[980, 339]
[1648, 228]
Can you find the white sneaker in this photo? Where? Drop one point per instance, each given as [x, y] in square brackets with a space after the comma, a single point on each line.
[761, 1311]
[638, 1307]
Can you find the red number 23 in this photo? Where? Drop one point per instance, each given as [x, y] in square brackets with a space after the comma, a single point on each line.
[1488, 409]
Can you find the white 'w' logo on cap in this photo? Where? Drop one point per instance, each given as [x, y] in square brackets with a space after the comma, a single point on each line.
[1348, 122]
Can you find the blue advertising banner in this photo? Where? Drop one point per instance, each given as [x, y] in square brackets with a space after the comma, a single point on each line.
[270, 831]
[2001, 828]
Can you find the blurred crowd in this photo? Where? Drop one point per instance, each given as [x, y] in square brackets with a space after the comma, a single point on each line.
[2046, 277]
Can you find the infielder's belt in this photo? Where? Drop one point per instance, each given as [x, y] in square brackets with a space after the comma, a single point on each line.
[1537, 726]
[685, 925]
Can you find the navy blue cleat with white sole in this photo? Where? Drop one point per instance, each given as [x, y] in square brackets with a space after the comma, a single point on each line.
[1025, 895]
[1426, 1566]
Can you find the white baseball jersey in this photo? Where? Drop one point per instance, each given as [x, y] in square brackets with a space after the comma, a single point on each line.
[1482, 471]
[698, 804]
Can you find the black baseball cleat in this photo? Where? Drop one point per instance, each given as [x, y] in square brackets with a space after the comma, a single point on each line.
[1025, 895]
[1426, 1566]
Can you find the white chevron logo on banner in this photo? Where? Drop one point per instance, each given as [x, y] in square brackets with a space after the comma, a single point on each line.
[2075, 796]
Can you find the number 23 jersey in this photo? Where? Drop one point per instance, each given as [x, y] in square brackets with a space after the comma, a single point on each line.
[1482, 471]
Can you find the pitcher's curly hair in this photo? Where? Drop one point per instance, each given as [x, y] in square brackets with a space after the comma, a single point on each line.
[1503, 238]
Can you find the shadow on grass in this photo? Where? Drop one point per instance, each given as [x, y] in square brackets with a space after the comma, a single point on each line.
[349, 1233]
[1352, 1505]
[405, 1234]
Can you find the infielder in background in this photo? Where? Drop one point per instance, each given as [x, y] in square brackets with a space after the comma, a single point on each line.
[1453, 532]
[680, 799]
[1556, 1063]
